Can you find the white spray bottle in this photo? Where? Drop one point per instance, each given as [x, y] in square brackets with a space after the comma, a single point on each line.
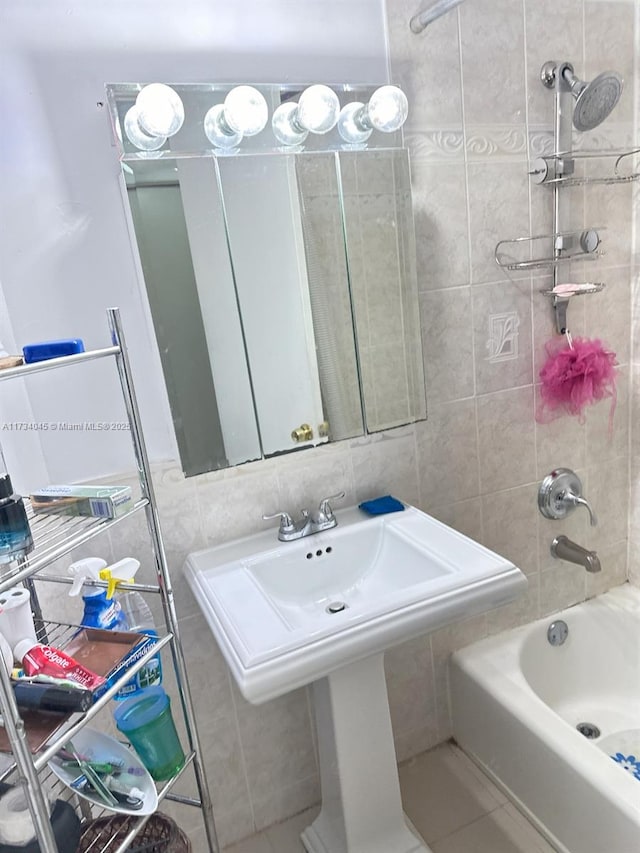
[137, 617]
[99, 611]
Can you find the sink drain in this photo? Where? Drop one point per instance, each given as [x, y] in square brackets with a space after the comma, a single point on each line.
[589, 730]
[336, 607]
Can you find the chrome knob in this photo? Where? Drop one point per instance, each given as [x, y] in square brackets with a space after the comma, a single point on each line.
[561, 492]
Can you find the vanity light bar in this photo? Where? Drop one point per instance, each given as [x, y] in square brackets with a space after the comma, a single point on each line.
[158, 113]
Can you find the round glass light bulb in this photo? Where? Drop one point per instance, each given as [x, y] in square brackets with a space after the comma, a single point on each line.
[137, 136]
[217, 129]
[285, 125]
[318, 109]
[245, 110]
[349, 126]
[160, 109]
[388, 108]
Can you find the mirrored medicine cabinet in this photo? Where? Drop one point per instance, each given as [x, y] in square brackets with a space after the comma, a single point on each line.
[281, 281]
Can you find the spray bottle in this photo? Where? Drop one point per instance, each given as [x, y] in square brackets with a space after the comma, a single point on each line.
[99, 610]
[137, 617]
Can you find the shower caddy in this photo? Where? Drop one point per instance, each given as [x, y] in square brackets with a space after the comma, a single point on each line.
[558, 170]
[55, 537]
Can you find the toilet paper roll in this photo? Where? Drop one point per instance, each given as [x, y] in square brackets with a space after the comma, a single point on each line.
[16, 826]
[16, 621]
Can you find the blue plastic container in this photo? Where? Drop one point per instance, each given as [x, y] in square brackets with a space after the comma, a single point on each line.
[147, 723]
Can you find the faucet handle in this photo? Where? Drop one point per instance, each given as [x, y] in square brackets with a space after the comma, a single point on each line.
[325, 513]
[560, 492]
[286, 522]
[578, 500]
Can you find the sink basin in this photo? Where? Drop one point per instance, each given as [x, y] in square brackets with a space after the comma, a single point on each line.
[286, 614]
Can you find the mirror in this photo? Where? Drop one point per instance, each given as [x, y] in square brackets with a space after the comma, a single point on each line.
[282, 287]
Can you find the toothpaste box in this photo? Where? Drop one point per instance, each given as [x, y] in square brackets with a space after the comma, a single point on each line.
[108, 653]
[97, 501]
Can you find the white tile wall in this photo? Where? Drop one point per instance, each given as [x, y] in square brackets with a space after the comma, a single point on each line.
[475, 100]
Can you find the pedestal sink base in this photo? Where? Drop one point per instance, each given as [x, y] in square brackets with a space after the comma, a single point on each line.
[361, 805]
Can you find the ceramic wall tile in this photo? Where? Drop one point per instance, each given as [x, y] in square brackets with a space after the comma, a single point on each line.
[448, 454]
[493, 77]
[608, 314]
[277, 748]
[498, 210]
[427, 66]
[447, 342]
[506, 435]
[443, 642]
[465, 516]
[510, 520]
[234, 506]
[560, 443]
[608, 426]
[609, 494]
[502, 335]
[561, 586]
[386, 463]
[607, 208]
[441, 223]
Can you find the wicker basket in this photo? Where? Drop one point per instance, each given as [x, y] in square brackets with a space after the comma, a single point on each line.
[160, 834]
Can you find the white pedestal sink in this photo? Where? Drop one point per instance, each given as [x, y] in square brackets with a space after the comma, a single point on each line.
[323, 609]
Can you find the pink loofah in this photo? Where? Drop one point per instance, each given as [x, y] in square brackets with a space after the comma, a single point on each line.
[576, 374]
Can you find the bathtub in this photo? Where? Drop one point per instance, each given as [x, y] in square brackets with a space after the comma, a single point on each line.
[516, 701]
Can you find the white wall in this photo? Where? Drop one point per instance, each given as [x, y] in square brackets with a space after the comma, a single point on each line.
[64, 248]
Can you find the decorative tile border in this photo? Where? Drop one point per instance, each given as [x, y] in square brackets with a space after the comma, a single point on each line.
[445, 144]
[496, 142]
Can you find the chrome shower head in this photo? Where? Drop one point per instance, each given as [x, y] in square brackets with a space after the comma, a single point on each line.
[594, 100]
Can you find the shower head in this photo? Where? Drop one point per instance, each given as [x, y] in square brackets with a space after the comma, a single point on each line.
[594, 100]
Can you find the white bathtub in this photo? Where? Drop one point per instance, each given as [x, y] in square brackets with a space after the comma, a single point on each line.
[516, 701]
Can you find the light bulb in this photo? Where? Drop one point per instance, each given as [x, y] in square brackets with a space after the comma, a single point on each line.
[137, 136]
[318, 109]
[388, 108]
[218, 131]
[351, 125]
[285, 125]
[245, 110]
[161, 112]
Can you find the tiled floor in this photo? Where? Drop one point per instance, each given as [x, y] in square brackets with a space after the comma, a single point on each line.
[452, 804]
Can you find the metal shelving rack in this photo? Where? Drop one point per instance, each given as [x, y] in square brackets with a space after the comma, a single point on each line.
[56, 536]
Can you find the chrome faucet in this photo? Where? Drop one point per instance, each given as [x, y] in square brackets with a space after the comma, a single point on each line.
[561, 492]
[321, 519]
[564, 549]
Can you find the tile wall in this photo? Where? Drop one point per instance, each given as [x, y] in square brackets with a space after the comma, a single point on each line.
[477, 113]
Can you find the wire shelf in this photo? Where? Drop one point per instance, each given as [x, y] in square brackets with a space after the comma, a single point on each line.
[577, 290]
[548, 169]
[569, 245]
[56, 535]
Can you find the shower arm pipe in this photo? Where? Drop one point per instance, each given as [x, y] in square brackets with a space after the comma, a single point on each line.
[422, 20]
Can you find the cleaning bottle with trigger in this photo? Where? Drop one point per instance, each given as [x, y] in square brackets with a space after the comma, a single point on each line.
[99, 610]
[137, 618]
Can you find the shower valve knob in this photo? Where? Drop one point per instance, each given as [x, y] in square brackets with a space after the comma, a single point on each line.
[561, 492]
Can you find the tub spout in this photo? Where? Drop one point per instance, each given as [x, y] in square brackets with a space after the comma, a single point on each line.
[563, 548]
